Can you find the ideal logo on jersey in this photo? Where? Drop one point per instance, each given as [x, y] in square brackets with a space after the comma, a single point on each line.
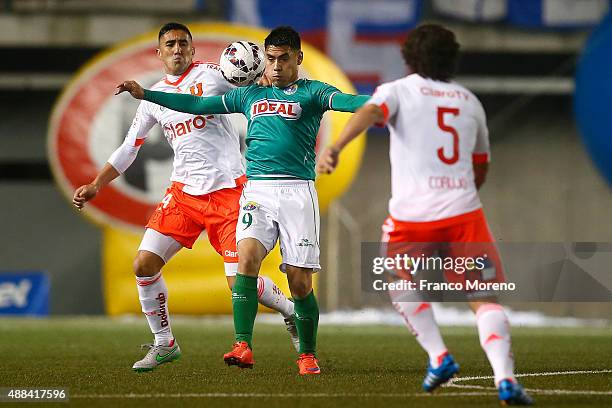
[270, 107]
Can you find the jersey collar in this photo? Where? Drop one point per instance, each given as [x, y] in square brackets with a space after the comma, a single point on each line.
[175, 80]
[288, 86]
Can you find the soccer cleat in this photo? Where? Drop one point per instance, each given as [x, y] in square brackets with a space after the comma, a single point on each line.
[438, 376]
[308, 364]
[292, 329]
[241, 355]
[157, 355]
[512, 393]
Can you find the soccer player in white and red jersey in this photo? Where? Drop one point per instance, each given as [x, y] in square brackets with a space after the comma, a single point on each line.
[439, 152]
[207, 180]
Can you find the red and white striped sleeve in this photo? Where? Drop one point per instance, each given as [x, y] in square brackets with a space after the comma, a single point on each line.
[386, 98]
[143, 121]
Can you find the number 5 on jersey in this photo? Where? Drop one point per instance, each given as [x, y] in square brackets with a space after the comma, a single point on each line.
[453, 132]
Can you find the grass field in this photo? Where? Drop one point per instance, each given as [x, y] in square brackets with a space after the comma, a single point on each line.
[362, 366]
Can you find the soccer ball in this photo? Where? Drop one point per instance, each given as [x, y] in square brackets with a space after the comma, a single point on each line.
[242, 63]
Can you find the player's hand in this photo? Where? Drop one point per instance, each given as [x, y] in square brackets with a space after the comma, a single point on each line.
[328, 161]
[264, 81]
[132, 87]
[84, 194]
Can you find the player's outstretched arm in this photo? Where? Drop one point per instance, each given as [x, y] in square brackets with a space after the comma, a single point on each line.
[187, 103]
[182, 103]
[347, 102]
[360, 121]
[89, 191]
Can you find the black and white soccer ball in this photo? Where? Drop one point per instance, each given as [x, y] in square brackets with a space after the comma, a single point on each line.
[242, 63]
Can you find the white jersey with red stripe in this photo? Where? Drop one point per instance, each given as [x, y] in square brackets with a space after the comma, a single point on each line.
[206, 147]
[438, 129]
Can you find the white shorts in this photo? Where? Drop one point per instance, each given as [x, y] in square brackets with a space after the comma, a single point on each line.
[166, 247]
[287, 210]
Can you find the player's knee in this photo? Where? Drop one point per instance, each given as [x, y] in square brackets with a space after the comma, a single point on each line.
[249, 263]
[251, 253]
[300, 289]
[145, 266]
[300, 283]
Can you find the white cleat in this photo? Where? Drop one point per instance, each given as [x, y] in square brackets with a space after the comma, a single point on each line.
[157, 355]
[292, 329]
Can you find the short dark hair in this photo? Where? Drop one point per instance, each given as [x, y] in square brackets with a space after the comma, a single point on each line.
[284, 36]
[173, 26]
[432, 51]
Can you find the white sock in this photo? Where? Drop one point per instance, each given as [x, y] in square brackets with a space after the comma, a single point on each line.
[419, 319]
[494, 333]
[153, 295]
[271, 296]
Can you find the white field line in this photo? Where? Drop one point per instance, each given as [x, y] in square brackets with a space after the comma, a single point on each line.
[282, 395]
[486, 391]
[453, 383]
[490, 377]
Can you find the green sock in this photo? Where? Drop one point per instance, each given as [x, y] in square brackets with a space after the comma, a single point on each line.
[244, 302]
[307, 322]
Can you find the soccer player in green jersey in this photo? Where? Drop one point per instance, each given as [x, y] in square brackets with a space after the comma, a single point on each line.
[279, 201]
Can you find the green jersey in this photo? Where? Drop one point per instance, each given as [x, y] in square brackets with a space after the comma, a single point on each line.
[282, 123]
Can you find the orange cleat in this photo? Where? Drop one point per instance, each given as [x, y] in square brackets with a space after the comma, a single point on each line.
[241, 356]
[308, 364]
